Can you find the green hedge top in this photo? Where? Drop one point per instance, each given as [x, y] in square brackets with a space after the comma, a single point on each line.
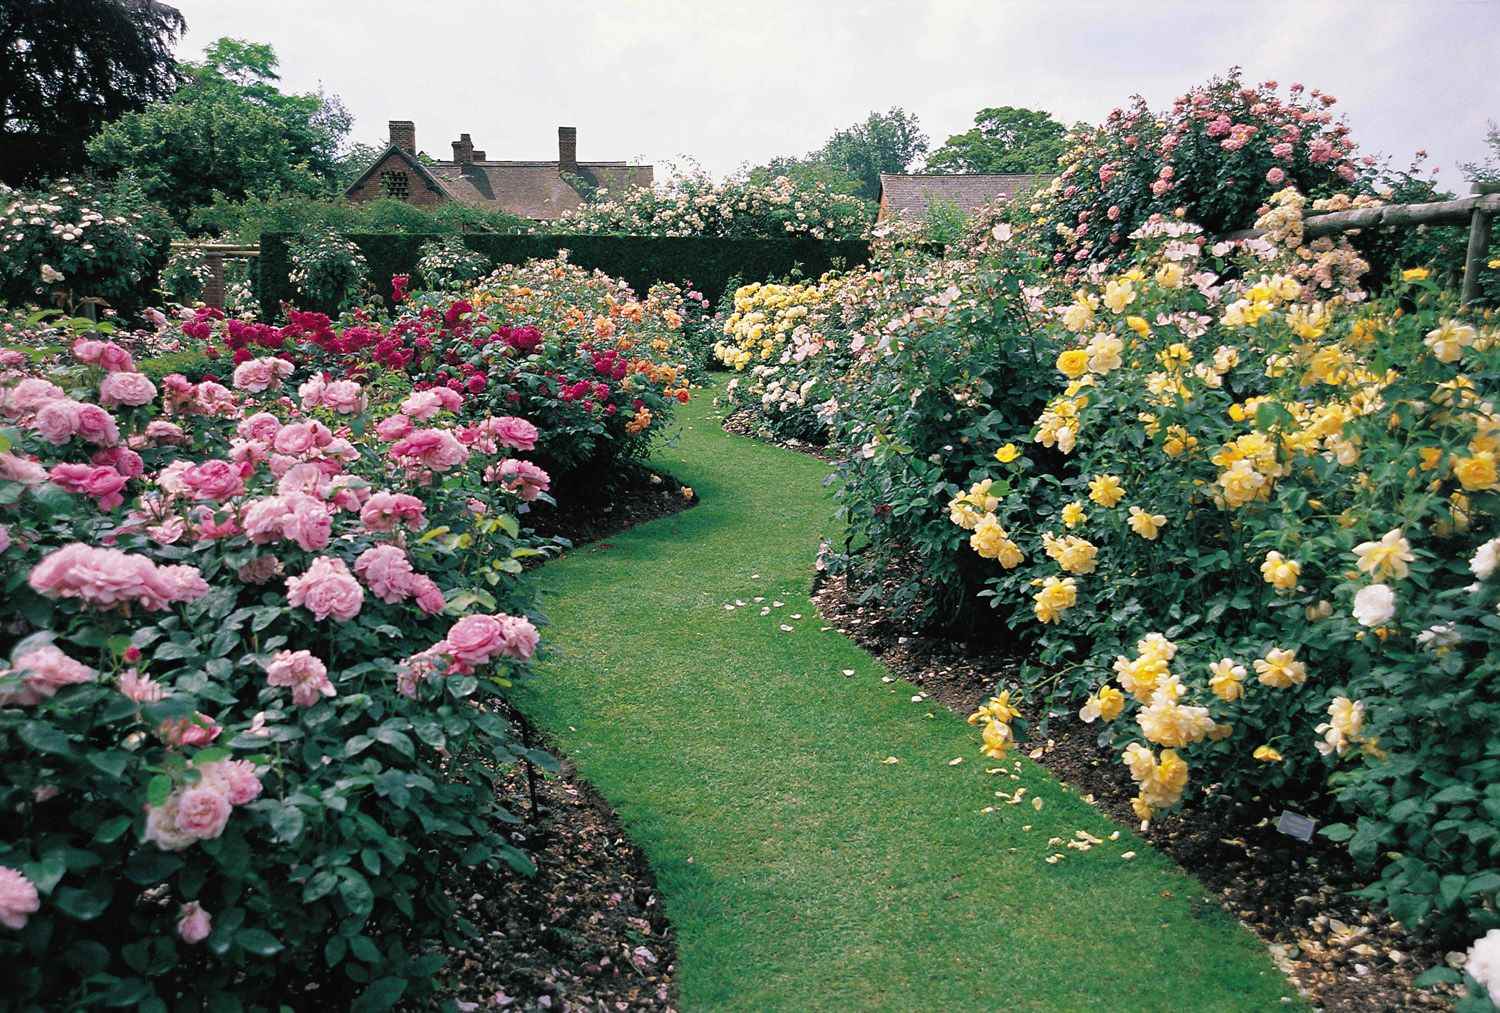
[705, 264]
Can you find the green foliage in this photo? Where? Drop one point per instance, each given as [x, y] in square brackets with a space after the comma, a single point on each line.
[184, 276]
[67, 68]
[642, 261]
[228, 129]
[946, 222]
[885, 142]
[447, 264]
[78, 241]
[1003, 139]
[245, 221]
[328, 270]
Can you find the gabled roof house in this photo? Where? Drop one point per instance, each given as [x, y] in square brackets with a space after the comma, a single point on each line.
[538, 190]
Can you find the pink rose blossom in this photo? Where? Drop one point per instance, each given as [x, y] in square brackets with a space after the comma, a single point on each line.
[57, 420]
[303, 673]
[132, 389]
[140, 688]
[301, 437]
[18, 898]
[236, 779]
[124, 460]
[43, 671]
[19, 469]
[345, 397]
[293, 516]
[422, 405]
[161, 431]
[214, 399]
[203, 812]
[88, 350]
[327, 589]
[4, 538]
[436, 449]
[512, 432]
[386, 571]
[261, 426]
[428, 596]
[103, 484]
[383, 511]
[523, 478]
[197, 731]
[1275, 175]
[97, 426]
[257, 375]
[115, 359]
[214, 479]
[106, 577]
[29, 395]
[473, 640]
[393, 428]
[193, 923]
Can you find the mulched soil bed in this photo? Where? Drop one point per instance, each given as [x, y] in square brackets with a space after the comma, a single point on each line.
[633, 500]
[745, 423]
[587, 932]
[1340, 953]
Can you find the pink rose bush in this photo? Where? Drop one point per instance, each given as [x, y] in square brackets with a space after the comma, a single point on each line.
[215, 594]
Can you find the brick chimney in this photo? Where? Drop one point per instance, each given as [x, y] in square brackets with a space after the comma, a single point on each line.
[404, 136]
[478, 155]
[567, 148]
[463, 150]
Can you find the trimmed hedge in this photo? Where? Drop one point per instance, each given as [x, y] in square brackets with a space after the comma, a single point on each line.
[708, 263]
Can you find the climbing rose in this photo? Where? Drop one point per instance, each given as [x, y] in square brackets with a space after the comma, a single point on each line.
[18, 898]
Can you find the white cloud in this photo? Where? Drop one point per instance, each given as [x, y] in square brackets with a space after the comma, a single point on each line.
[729, 82]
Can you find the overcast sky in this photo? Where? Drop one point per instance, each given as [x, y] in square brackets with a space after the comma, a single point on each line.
[726, 83]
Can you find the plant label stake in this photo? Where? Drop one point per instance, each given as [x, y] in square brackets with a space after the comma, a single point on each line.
[1296, 825]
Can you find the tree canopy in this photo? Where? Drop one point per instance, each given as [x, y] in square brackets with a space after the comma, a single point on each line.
[67, 67]
[229, 129]
[884, 142]
[1003, 139]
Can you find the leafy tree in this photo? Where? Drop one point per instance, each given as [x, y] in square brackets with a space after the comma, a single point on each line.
[884, 142]
[1003, 139]
[807, 172]
[228, 130]
[67, 67]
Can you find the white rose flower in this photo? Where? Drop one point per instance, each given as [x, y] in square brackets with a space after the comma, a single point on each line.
[1375, 605]
[1485, 559]
[1484, 962]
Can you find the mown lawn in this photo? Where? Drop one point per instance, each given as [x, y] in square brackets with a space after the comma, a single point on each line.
[801, 871]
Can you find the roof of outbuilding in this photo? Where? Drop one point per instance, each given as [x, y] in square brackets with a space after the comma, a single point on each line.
[539, 190]
[908, 195]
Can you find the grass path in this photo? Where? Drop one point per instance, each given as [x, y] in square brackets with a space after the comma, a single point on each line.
[801, 871]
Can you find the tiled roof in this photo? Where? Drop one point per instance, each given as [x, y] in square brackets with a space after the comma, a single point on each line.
[909, 195]
[536, 190]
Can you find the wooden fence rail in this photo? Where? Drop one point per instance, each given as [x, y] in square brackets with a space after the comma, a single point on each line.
[215, 254]
[1477, 211]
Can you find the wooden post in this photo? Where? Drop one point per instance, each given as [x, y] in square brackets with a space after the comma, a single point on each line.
[1479, 245]
[213, 288]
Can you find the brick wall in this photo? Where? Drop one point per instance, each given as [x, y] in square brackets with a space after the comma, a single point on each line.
[419, 191]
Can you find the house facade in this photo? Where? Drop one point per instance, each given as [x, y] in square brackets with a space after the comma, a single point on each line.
[537, 190]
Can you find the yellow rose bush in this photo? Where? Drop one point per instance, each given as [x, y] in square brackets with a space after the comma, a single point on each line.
[1255, 543]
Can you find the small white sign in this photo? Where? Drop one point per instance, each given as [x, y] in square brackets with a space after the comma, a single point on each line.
[1296, 825]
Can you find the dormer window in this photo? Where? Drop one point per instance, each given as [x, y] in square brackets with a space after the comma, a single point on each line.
[396, 184]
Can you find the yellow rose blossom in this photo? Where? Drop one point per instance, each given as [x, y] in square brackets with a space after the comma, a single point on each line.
[1073, 363]
[1139, 325]
[1161, 781]
[996, 708]
[1079, 315]
[1106, 490]
[991, 542]
[1073, 554]
[967, 509]
[1179, 441]
[1265, 754]
[1055, 597]
[1073, 515]
[1227, 679]
[997, 738]
[1448, 340]
[1280, 669]
[1007, 453]
[1107, 704]
[1415, 274]
[1170, 275]
[1477, 472]
[1280, 572]
[1118, 295]
[1147, 525]
[1344, 728]
[1104, 353]
[1385, 558]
